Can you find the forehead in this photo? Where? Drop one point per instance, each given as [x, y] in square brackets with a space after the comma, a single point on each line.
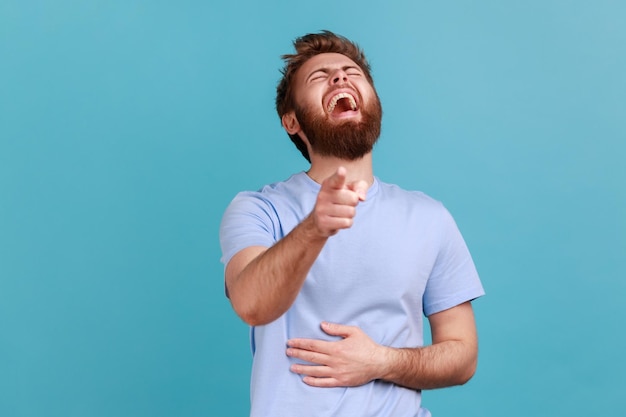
[330, 60]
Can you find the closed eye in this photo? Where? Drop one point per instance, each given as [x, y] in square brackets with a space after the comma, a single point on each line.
[318, 75]
[323, 73]
[353, 71]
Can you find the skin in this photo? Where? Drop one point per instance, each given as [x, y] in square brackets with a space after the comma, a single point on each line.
[264, 282]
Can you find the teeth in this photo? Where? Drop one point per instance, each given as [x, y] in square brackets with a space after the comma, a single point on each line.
[333, 102]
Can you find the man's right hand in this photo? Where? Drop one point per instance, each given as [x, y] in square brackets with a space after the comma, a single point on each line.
[336, 203]
[263, 282]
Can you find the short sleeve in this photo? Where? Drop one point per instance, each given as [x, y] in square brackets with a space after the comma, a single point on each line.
[249, 220]
[453, 279]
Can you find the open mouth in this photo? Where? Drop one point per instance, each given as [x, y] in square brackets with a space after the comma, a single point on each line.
[341, 103]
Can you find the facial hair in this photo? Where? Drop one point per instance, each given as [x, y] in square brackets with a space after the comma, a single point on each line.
[344, 139]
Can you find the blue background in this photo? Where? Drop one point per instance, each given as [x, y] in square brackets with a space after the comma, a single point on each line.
[126, 127]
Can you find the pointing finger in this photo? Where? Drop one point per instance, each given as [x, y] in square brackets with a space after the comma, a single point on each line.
[338, 179]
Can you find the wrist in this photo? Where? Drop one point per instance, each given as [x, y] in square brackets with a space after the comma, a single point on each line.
[394, 363]
[311, 232]
[384, 364]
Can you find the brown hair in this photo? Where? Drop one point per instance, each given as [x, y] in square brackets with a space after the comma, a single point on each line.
[307, 47]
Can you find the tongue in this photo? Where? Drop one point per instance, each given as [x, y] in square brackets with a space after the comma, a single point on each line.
[343, 105]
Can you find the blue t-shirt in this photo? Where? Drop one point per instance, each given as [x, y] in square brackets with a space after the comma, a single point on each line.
[402, 258]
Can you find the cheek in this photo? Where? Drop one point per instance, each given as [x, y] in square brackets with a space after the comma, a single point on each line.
[313, 106]
[368, 93]
[310, 96]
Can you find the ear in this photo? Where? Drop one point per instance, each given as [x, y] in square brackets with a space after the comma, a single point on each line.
[290, 123]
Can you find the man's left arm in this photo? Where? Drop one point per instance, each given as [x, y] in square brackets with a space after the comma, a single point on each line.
[356, 359]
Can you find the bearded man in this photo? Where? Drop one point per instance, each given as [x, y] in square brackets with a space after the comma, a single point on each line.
[334, 269]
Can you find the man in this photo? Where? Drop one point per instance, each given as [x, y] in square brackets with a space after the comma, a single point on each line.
[333, 269]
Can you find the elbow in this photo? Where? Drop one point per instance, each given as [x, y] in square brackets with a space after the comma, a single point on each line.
[252, 319]
[253, 310]
[467, 372]
[245, 313]
[250, 314]
[469, 364]
[242, 307]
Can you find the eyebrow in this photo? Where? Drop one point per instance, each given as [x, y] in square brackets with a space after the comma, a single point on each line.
[326, 70]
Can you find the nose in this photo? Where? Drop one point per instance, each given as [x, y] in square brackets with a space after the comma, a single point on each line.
[339, 76]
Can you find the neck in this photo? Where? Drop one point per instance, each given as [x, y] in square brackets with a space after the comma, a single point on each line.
[324, 167]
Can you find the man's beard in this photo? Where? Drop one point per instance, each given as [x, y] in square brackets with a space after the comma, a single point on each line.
[347, 139]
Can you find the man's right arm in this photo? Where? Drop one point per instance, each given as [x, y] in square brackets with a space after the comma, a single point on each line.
[262, 283]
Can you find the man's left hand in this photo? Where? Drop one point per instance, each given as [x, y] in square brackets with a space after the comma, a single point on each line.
[352, 361]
